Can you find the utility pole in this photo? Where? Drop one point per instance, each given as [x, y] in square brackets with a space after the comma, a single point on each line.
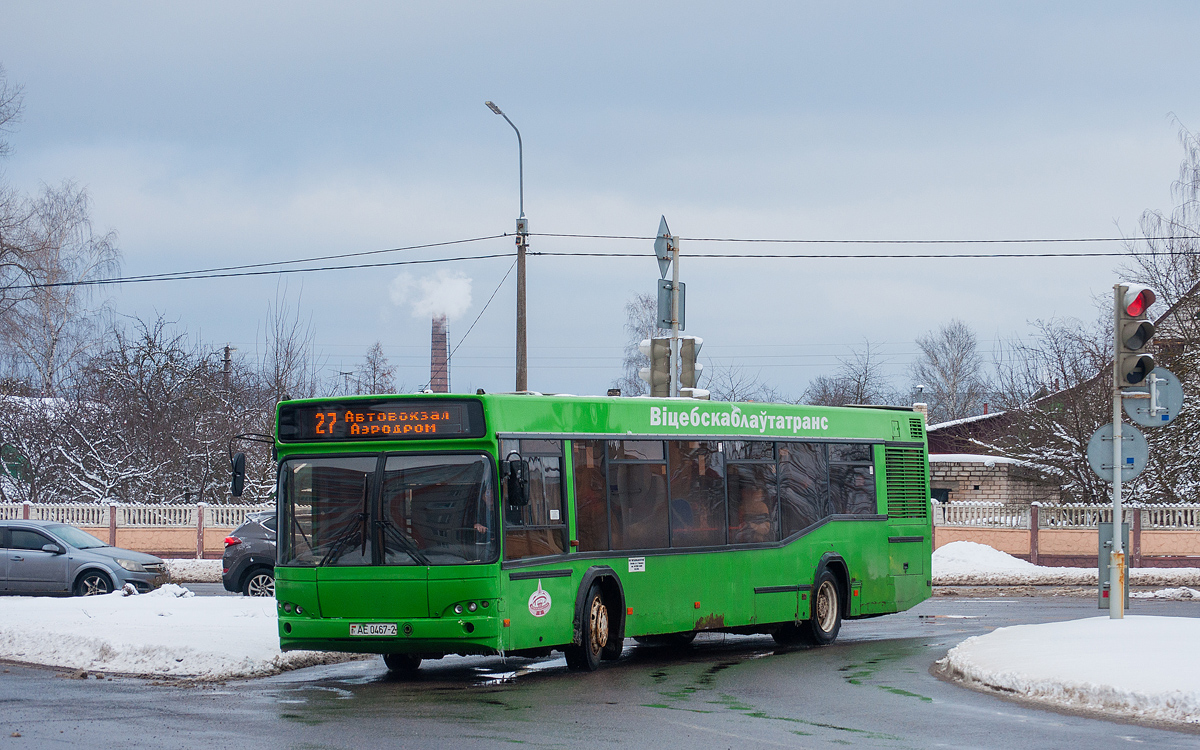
[522, 246]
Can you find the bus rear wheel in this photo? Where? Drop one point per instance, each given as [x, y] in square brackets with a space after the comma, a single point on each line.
[585, 657]
[822, 627]
[402, 663]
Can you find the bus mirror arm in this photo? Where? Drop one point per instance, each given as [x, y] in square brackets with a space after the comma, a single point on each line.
[517, 474]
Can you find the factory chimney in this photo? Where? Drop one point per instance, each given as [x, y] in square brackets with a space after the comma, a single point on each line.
[439, 359]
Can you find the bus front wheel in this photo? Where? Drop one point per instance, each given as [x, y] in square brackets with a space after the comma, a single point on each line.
[402, 663]
[585, 657]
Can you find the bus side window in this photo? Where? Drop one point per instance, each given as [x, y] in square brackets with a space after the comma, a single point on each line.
[803, 485]
[753, 511]
[637, 495]
[852, 479]
[697, 493]
[538, 527]
[591, 499]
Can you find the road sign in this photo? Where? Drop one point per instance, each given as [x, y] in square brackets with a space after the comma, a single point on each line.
[664, 303]
[662, 249]
[1134, 452]
[1167, 399]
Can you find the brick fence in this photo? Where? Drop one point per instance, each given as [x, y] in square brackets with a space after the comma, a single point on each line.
[170, 531]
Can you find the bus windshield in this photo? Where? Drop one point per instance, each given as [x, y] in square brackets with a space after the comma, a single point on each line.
[404, 510]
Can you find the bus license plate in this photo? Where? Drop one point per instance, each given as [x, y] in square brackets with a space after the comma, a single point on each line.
[372, 628]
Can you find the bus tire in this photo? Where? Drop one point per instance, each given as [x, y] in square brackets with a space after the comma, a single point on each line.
[585, 657]
[822, 627]
[402, 663]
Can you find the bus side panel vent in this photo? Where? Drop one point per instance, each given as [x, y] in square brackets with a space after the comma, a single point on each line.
[915, 428]
[907, 491]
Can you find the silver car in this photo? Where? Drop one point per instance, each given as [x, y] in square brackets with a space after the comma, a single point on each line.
[45, 557]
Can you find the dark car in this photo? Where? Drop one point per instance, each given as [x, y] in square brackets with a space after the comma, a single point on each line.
[248, 564]
[46, 557]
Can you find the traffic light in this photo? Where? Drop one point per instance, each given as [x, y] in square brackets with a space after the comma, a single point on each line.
[689, 372]
[1133, 333]
[658, 374]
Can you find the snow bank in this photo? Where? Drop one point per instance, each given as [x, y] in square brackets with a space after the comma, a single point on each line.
[194, 571]
[1140, 667]
[166, 633]
[974, 564]
[1176, 594]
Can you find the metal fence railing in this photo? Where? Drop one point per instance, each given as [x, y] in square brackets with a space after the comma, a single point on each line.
[132, 516]
[1073, 516]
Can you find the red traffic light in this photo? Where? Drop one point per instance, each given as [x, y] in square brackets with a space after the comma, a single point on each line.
[1138, 300]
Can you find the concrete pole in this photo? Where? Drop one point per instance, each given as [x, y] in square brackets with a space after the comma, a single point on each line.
[522, 355]
[674, 368]
[1116, 565]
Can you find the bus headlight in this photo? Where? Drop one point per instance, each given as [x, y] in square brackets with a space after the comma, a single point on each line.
[458, 609]
[472, 607]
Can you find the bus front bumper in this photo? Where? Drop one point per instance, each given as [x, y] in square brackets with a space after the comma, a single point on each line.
[434, 635]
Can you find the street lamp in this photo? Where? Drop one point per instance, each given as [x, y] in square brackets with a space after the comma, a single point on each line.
[522, 245]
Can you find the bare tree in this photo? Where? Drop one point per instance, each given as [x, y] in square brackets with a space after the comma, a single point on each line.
[289, 366]
[375, 374]
[859, 379]
[641, 322]
[734, 383]
[1172, 265]
[11, 102]
[952, 371]
[52, 326]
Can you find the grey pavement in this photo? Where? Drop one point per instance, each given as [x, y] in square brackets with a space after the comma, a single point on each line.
[873, 688]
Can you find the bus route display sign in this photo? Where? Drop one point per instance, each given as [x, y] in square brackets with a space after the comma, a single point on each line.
[369, 419]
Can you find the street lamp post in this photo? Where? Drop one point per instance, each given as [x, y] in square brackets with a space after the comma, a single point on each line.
[522, 245]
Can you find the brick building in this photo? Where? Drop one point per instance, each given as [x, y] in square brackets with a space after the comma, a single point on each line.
[968, 477]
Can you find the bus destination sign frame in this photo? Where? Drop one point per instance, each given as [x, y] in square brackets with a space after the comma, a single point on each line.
[380, 419]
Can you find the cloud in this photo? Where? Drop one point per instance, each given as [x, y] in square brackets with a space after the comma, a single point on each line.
[444, 293]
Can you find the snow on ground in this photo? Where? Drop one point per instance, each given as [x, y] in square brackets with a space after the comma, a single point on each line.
[187, 570]
[1176, 594]
[974, 564]
[1139, 667]
[169, 632]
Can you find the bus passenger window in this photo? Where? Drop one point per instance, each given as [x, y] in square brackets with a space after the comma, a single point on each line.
[697, 493]
[803, 485]
[638, 505]
[753, 513]
[851, 480]
[538, 527]
[591, 503]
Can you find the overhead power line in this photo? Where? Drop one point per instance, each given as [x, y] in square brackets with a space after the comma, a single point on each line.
[1030, 240]
[265, 268]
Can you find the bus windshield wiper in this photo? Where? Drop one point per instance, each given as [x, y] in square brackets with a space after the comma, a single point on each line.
[406, 543]
[347, 536]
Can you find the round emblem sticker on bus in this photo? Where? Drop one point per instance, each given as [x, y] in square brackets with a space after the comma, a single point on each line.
[539, 601]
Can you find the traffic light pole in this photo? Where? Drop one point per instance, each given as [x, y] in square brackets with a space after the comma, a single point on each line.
[675, 317]
[1116, 565]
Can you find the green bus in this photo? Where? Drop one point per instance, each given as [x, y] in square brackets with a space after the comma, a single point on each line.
[425, 525]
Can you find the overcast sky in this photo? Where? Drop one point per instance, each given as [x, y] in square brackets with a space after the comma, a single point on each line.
[214, 134]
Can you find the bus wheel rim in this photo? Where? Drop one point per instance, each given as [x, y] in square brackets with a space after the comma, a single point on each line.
[599, 625]
[826, 607]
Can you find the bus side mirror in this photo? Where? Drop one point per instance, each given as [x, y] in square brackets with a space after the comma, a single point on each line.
[238, 469]
[517, 472]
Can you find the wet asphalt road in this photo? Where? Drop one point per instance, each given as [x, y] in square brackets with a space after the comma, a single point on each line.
[871, 689]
